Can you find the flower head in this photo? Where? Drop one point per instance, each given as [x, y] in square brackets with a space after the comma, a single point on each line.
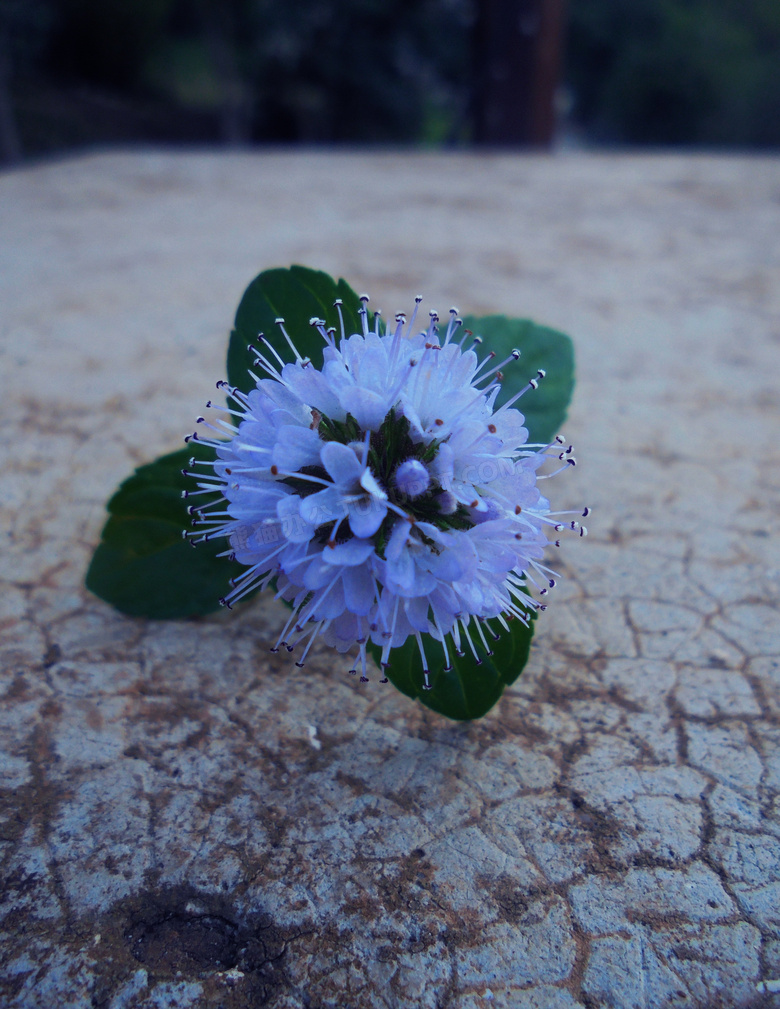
[384, 495]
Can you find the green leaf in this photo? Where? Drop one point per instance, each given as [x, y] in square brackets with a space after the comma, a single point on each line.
[142, 566]
[469, 689]
[296, 295]
[544, 408]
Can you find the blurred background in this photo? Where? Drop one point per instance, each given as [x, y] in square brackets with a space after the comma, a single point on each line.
[436, 73]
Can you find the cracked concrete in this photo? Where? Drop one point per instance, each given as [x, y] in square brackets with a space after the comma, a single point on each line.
[189, 821]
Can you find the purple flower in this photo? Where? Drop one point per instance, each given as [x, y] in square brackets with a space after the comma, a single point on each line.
[384, 495]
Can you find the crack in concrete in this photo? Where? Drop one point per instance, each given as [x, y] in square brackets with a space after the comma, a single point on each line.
[605, 835]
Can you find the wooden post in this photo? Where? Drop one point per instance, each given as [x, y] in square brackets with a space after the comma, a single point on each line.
[518, 57]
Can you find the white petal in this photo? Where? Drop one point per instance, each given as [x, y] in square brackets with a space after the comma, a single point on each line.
[359, 590]
[369, 482]
[354, 551]
[398, 538]
[368, 408]
[295, 527]
[445, 566]
[284, 400]
[341, 463]
[417, 612]
[442, 466]
[254, 505]
[401, 573]
[325, 506]
[331, 604]
[318, 573]
[366, 515]
[312, 387]
[343, 631]
[296, 447]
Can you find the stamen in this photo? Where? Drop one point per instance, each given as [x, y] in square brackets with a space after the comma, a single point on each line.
[280, 323]
[533, 384]
[274, 351]
[514, 356]
[417, 301]
[426, 681]
[481, 633]
[363, 313]
[467, 636]
[337, 305]
[454, 324]
[317, 628]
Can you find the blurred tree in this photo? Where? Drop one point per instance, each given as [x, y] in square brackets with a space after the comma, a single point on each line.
[518, 59]
[676, 71]
[360, 70]
[24, 28]
[106, 42]
[76, 72]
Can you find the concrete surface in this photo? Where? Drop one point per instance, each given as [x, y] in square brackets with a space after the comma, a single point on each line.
[191, 822]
